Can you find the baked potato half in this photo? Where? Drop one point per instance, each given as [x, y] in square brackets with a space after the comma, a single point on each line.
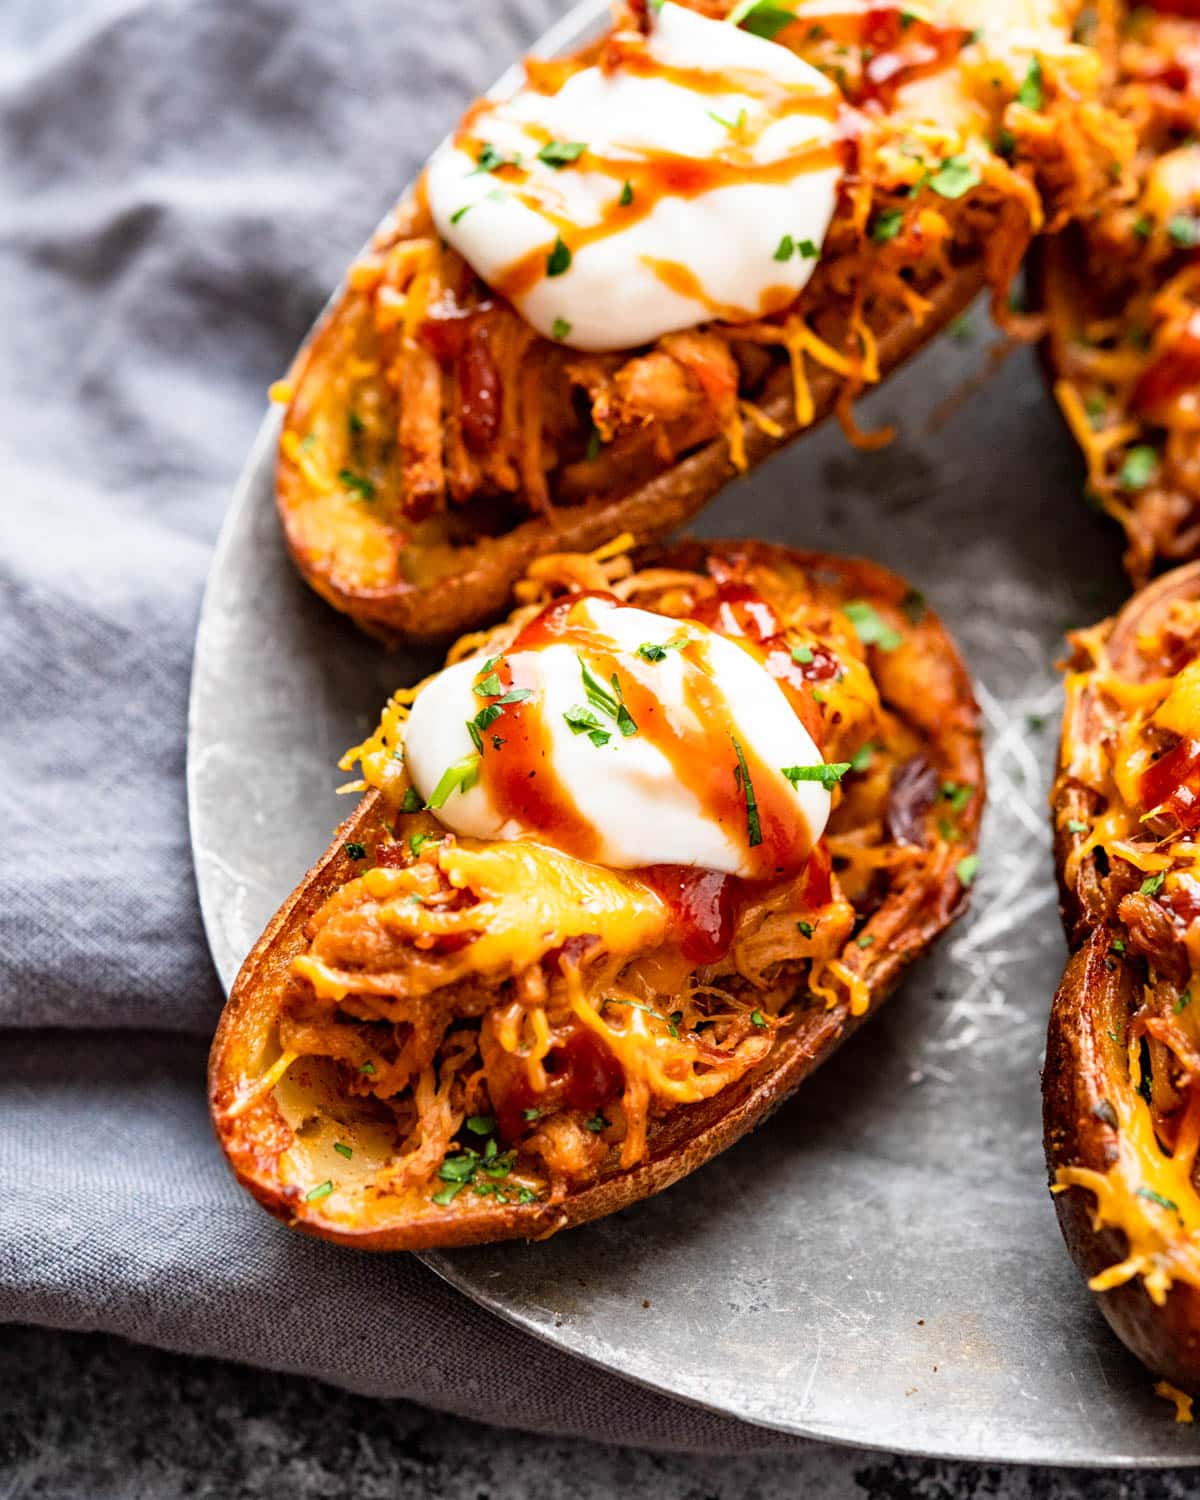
[443, 1039]
[1121, 1086]
[435, 439]
[1121, 294]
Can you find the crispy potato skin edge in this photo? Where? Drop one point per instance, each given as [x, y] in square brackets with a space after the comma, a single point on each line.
[437, 611]
[1096, 989]
[687, 1138]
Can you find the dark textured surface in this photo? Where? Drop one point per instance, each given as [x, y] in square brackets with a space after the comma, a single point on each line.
[86, 1417]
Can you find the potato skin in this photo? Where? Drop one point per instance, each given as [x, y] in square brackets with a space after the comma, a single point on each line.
[687, 1136]
[479, 587]
[1084, 1071]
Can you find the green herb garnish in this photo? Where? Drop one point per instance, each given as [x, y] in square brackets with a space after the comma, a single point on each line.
[741, 779]
[1075, 826]
[626, 197]
[758, 1019]
[871, 630]
[559, 154]
[967, 869]
[1153, 1197]
[1139, 468]
[582, 720]
[322, 1190]
[361, 486]
[886, 225]
[802, 654]
[760, 17]
[343, 1150]
[827, 773]
[1152, 885]
[561, 328]
[1032, 93]
[460, 777]
[355, 851]
[805, 929]
[559, 259]
[611, 704]
[956, 175]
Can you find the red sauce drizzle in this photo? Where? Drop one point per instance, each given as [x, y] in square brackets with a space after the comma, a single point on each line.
[1173, 782]
[581, 1074]
[517, 770]
[1175, 371]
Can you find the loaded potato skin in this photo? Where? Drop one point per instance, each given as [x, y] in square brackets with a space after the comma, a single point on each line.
[330, 1122]
[1121, 1111]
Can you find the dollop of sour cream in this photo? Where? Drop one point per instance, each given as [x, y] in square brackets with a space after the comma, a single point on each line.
[688, 175]
[626, 788]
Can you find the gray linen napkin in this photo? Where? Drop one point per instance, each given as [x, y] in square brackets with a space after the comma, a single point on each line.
[181, 183]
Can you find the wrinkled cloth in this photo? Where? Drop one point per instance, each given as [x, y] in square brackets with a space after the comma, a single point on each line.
[181, 183]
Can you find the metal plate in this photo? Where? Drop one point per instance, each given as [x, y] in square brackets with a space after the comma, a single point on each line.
[879, 1264]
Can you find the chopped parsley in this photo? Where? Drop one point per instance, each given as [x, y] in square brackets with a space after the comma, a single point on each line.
[956, 175]
[886, 225]
[359, 483]
[489, 686]
[761, 17]
[626, 197]
[871, 630]
[1183, 1002]
[417, 842]
[596, 1124]
[865, 940]
[1032, 93]
[322, 1190]
[582, 720]
[1143, 226]
[967, 869]
[1153, 1197]
[610, 704]
[459, 212]
[806, 929]
[343, 1150]
[807, 249]
[1152, 885]
[490, 160]
[957, 794]
[368, 1068]
[786, 249]
[559, 259]
[738, 124]
[481, 1124]
[758, 1019]
[559, 154]
[355, 851]
[863, 756]
[1075, 826]
[1184, 230]
[1139, 468]
[652, 651]
[561, 328]
[802, 654]
[1117, 945]
[532, 1113]
[412, 801]
[741, 779]
[460, 777]
[827, 773]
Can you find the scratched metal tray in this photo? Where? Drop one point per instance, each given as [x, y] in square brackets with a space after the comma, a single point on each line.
[879, 1264]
